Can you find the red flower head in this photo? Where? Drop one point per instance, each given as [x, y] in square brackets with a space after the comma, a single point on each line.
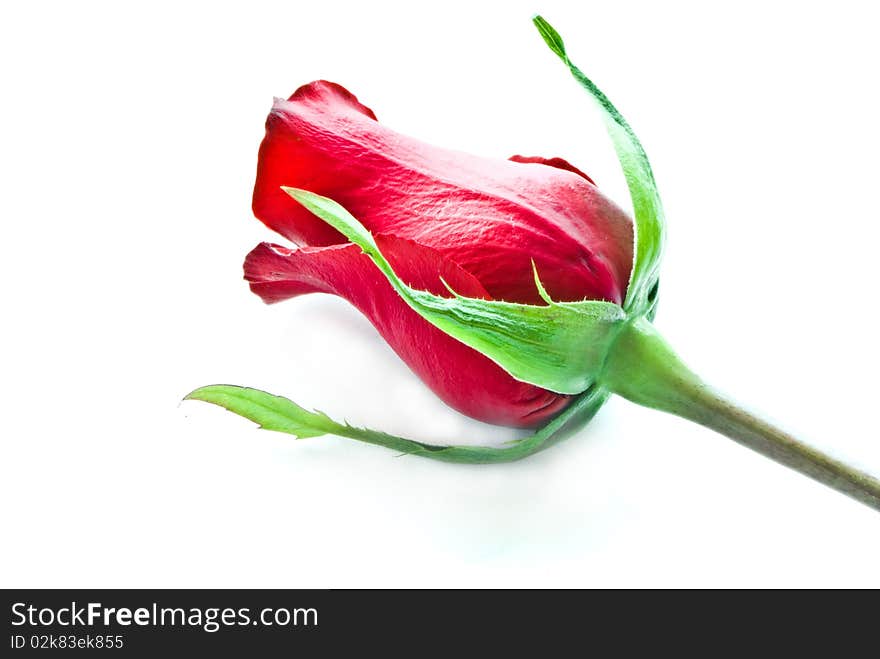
[477, 223]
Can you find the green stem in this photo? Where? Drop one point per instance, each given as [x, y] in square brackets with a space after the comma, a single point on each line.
[644, 369]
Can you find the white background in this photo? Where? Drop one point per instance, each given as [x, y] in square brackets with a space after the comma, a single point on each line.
[129, 136]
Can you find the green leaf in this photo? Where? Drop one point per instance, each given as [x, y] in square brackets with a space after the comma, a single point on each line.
[648, 210]
[560, 347]
[277, 413]
[271, 412]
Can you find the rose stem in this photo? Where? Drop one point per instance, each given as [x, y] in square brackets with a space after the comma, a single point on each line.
[643, 368]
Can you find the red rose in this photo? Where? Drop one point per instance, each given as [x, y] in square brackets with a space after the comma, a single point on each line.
[513, 289]
[476, 222]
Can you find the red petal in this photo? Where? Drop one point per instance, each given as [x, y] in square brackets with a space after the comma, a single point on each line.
[559, 163]
[465, 379]
[286, 158]
[490, 216]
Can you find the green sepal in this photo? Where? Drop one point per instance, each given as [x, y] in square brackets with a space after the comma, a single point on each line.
[560, 347]
[281, 414]
[270, 412]
[647, 207]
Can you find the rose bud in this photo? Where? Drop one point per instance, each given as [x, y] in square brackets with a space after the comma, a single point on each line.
[514, 289]
[477, 223]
